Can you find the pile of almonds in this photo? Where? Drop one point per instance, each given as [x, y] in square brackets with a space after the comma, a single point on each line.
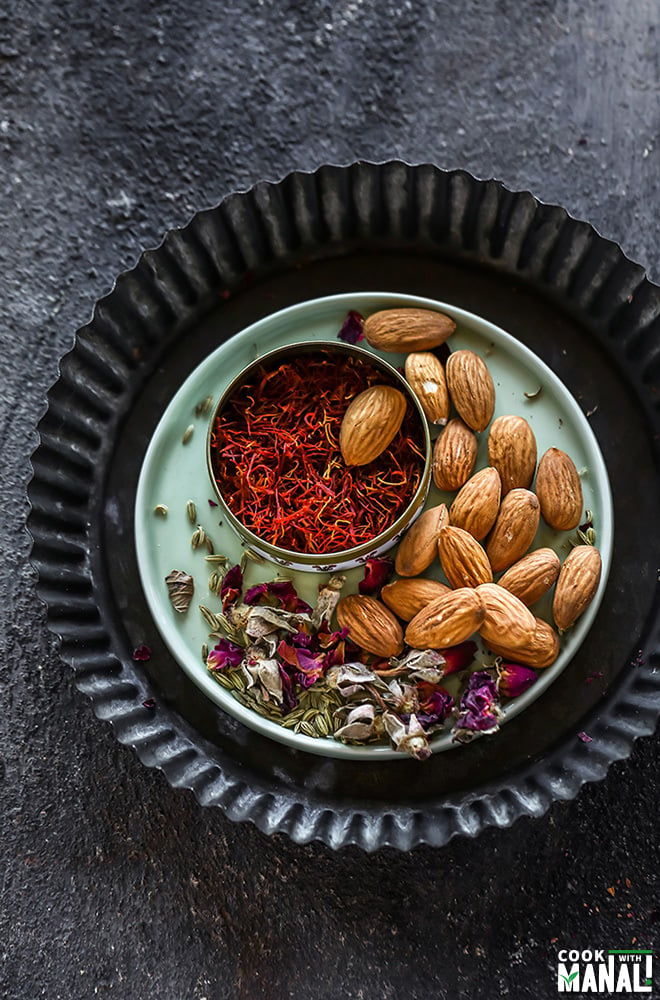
[482, 538]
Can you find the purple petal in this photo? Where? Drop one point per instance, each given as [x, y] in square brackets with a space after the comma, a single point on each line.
[513, 679]
[142, 653]
[285, 593]
[225, 654]
[376, 573]
[351, 331]
[585, 737]
[458, 657]
[254, 594]
[212, 503]
[149, 703]
[231, 586]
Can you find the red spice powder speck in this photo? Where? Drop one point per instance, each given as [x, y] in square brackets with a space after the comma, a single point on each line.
[276, 457]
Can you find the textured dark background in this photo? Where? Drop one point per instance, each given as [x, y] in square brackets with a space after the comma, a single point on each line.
[117, 122]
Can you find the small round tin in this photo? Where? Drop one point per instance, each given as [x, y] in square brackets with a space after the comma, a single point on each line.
[326, 561]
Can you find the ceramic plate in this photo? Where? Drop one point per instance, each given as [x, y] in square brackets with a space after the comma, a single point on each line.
[174, 473]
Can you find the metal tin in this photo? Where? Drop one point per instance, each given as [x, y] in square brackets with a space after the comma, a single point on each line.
[349, 558]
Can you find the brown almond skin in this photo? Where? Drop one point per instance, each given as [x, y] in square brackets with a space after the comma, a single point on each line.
[577, 585]
[419, 546]
[370, 624]
[454, 456]
[532, 576]
[559, 490]
[407, 597]
[447, 621]
[507, 621]
[476, 505]
[463, 560]
[426, 378]
[514, 528]
[540, 651]
[471, 388]
[370, 423]
[512, 451]
[405, 330]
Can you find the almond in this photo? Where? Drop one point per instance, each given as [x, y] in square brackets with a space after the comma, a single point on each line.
[577, 585]
[406, 598]
[514, 529]
[370, 423]
[512, 451]
[540, 651]
[559, 490]
[471, 388]
[507, 621]
[448, 620]
[426, 378]
[419, 546]
[464, 562]
[454, 456]
[532, 576]
[370, 624]
[404, 330]
[476, 504]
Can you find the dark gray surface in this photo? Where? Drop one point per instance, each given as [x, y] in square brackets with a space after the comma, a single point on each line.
[116, 123]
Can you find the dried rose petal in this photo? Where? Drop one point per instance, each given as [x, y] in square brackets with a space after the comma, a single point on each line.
[458, 657]
[376, 573]
[479, 710]
[142, 652]
[442, 352]
[351, 331]
[285, 593]
[212, 503]
[307, 668]
[435, 704]
[149, 703]
[513, 679]
[410, 738]
[254, 594]
[585, 737]
[225, 654]
[231, 586]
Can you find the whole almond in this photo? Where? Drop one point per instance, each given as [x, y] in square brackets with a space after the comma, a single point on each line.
[406, 598]
[514, 528]
[476, 505]
[447, 621]
[370, 423]
[559, 490]
[507, 621]
[463, 560]
[426, 378]
[540, 651]
[471, 388]
[532, 576]
[370, 624]
[404, 330]
[454, 456]
[577, 585]
[419, 546]
[512, 451]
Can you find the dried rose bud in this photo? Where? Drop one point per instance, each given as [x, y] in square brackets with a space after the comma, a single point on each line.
[458, 657]
[142, 652]
[513, 679]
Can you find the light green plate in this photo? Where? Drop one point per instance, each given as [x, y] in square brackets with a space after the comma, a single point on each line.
[172, 473]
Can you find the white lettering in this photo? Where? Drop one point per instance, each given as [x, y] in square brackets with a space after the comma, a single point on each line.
[589, 980]
[606, 976]
[568, 981]
[562, 955]
[623, 984]
[645, 985]
[574, 956]
[599, 956]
